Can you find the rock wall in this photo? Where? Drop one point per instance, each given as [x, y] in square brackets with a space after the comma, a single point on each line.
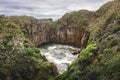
[67, 35]
[63, 35]
[45, 31]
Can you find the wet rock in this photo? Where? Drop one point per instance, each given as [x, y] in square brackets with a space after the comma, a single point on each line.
[54, 70]
[74, 52]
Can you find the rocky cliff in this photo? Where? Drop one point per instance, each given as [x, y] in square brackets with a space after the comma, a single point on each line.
[60, 31]
[66, 35]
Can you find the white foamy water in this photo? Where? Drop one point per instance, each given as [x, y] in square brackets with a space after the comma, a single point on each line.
[59, 55]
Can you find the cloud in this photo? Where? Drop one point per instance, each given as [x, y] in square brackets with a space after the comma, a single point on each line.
[47, 8]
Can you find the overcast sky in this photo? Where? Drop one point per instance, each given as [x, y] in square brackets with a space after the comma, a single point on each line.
[47, 8]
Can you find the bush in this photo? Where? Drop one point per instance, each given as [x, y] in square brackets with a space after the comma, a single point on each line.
[19, 59]
[111, 68]
[116, 29]
[114, 42]
[77, 69]
[87, 52]
[107, 50]
[118, 18]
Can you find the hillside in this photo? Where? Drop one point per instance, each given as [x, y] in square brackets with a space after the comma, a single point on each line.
[19, 59]
[79, 18]
[100, 59]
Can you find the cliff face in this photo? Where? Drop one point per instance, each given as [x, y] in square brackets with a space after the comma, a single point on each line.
[66, 35]
[34, 29]
[63, 35]
[46, 31]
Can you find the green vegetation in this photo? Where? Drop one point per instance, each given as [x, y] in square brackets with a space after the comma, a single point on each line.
[31, 26]
[19, 59]
[75, 19]
[116, 29]
[87, 52]
[90, 66]
[106, 66]
[75, 71]
[99, 61]
[118, 18]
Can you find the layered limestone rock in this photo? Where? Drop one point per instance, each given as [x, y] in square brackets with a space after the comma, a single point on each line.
[67, 35]
[63, 35]
[46, 31]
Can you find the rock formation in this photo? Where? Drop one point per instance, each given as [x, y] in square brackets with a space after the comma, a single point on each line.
[61, 31]
[74, 52]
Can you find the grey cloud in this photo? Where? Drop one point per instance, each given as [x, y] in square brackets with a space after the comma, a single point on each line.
[47, 8]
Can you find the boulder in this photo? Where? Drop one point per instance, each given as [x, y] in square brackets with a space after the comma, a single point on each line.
[74, 52]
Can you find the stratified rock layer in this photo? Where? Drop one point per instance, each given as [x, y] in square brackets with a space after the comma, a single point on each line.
[46, 31]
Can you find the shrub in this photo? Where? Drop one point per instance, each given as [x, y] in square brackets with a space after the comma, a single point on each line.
[111, 68]
[118, 18]
[19, 59]
[87, 52]
[76, 70]
[107, 50]
[114, 42]
[116, 29]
